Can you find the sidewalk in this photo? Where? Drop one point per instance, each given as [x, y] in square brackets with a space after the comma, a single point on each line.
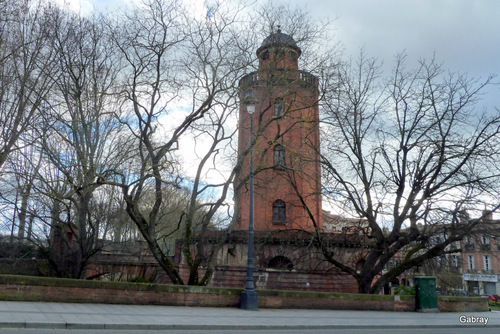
[137, 317]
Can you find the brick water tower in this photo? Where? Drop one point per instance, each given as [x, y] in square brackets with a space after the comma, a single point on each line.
[286, 134]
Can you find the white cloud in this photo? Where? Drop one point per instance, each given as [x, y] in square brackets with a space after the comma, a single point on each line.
[77, 6]
[462, 34]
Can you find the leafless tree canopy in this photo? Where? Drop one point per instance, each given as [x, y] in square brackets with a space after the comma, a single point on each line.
[25, 61]
[122, 128]
[409, 153]
[106, 104]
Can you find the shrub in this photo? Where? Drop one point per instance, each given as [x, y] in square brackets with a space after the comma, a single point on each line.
[139, 279]
[404, 290]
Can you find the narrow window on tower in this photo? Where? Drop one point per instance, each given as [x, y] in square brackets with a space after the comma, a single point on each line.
[279, 156]
[279, 107]
[279, 211]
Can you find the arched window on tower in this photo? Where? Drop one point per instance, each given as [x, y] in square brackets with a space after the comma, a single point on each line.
[279, 156]
[279, 212]
[279, 107]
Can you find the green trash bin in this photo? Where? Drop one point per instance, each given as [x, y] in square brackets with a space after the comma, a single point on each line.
[426, 295]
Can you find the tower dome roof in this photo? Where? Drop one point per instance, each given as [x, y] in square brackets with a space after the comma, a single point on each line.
[278, 39]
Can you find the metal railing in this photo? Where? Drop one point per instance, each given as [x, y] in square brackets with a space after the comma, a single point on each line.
[254, 77]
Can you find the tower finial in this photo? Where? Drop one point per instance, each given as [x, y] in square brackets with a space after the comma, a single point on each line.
[279, 29]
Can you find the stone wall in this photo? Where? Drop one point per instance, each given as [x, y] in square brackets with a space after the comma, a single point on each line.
[233, 275]
[32, 267]
[224, 276]
[27, 288]
[286, 280]
[457, 304]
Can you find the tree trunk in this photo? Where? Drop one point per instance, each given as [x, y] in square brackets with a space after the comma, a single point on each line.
[30, 227]
[23, 212]
[365, 284]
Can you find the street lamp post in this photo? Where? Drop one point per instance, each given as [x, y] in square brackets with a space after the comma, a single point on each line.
[249, 298]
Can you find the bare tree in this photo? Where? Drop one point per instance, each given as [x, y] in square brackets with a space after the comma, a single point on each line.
[82, 138]
[25, 61]
[180, 82]
[23, 166]
[407, 156]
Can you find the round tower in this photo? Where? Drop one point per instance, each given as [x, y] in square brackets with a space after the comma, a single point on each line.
[286, 150]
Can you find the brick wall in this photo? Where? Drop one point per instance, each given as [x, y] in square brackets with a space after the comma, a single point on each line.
[285, 280]
[27, 288]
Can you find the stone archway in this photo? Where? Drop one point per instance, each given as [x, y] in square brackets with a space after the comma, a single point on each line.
[280, 263]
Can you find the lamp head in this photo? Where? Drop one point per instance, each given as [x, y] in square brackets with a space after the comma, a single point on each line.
[250, 101]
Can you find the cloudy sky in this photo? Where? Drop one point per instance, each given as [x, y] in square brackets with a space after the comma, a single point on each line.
[463, 34]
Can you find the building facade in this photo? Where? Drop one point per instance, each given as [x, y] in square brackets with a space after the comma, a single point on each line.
[286, 141]
[471, 266]
[480, 258]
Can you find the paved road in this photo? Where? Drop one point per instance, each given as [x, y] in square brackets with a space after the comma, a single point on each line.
[270, 331]
[121, 318]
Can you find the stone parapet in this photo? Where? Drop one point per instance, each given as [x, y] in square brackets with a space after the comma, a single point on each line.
[28, 288]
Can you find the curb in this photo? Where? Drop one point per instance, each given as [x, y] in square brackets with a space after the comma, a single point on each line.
[70, 326]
